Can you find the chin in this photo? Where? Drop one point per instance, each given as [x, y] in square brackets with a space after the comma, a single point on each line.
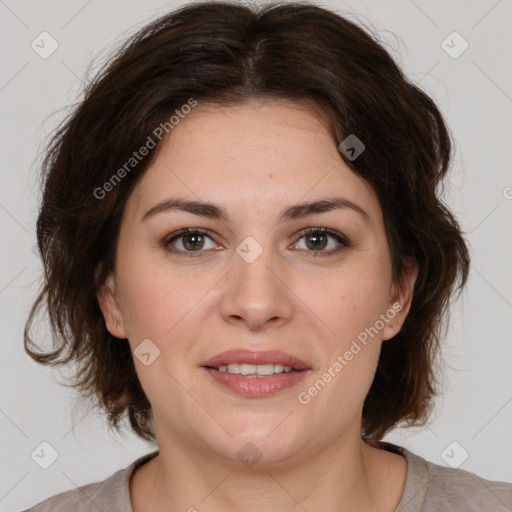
[262, 443]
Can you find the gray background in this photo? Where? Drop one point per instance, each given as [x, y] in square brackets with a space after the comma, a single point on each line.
[474, 92]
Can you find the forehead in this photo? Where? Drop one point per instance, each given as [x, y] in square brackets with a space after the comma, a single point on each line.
[250, 155]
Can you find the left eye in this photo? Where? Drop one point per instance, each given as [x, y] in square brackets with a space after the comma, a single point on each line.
[317, 239]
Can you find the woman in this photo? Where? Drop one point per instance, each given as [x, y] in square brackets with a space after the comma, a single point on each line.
[246, 255]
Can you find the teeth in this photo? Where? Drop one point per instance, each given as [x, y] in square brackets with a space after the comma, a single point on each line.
[254, 369]
[233, 368]
[247, 369]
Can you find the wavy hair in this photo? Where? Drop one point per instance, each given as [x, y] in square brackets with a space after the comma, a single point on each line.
[228, 53]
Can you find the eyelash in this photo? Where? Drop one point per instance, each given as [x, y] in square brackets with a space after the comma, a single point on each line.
[167, 242]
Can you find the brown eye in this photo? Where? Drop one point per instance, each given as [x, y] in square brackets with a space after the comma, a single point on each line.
[193, 241]
[188, 241]
[317, 239]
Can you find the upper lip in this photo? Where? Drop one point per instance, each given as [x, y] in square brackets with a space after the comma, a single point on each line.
[250, 357]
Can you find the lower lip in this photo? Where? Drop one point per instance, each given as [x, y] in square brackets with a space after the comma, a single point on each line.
[257, 386]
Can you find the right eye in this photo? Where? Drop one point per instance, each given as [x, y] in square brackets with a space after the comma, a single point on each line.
[192, 241]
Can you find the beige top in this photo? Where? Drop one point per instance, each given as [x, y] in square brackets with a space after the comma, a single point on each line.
[428, 488]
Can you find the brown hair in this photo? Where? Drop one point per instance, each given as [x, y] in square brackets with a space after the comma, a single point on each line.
[227, 53]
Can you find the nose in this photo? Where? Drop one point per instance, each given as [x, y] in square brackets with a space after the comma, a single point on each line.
[257, 291]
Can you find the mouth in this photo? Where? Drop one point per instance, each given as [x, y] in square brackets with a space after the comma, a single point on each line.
[248, 362]
[254, 370]
[256, 374]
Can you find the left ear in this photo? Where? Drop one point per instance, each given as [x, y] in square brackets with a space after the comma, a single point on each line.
[401, 296]
[109, 306]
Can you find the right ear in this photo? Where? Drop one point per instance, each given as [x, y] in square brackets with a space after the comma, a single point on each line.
[110, 308]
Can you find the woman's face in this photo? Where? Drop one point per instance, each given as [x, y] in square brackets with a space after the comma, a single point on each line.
[254, 281]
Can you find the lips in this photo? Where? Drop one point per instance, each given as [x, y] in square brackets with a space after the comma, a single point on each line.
[250, 385]
[258, 358]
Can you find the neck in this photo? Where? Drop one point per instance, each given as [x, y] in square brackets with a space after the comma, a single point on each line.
[345, 475]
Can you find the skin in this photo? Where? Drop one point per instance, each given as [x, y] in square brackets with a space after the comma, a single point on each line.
[255, 159]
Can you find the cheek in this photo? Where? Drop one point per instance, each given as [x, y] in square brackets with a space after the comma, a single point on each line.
[352, 301]
[145, 307]
[162, 308]
[162, 303]
[350, 355]
[350, 304]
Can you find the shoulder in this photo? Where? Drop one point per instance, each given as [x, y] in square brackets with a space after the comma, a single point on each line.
[82, 498]
[112, 494]
[87, 498]
[431, 487]
[458, 489]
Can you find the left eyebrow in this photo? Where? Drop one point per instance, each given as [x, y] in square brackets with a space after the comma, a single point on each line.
[217, 212]
[325, 205]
